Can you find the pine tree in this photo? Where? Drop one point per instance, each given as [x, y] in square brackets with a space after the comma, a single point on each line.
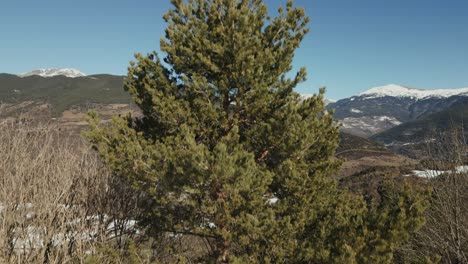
[225, 150]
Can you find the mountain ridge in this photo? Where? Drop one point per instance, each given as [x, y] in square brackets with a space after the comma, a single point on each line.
[62, 92]
[381, 108]
[424, 129]
[395, 90]
[51, 72]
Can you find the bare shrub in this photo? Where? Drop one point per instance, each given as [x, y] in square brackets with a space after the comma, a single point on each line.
[58, 204]
[444, 238]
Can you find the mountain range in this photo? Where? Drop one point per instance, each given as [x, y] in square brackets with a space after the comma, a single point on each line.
[67, 72]
[62, 88]
[385, 107]
[393, 115]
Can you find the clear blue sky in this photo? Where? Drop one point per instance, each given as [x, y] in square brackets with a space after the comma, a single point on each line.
[353, 45]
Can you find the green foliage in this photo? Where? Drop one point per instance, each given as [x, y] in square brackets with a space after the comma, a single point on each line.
[107, 254]
[398, 211]
[227, 151]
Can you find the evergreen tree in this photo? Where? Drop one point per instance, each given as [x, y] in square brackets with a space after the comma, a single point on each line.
[226, 150]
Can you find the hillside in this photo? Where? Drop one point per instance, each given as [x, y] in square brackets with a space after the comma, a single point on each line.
[406, 137]
[353, 147]
[382, 108]
[62, 92]
[359, 154]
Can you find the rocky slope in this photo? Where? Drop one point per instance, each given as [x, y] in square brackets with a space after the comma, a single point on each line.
[413, 137]
[382, 108]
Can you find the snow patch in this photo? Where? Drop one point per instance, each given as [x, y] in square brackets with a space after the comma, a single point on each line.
[462, 169]
[392, 120]
[427, 173]
[435, 173]
[273, 200]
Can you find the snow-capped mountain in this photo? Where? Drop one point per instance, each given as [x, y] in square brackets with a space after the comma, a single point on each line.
[394, 90]
[328, 101]
[384, 107]
[67, 72]
[325, 100]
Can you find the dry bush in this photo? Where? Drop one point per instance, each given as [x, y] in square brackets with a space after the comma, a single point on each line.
[444, 238]
[58, 204]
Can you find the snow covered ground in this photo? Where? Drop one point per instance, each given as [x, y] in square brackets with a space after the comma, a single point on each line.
[33, 235]
[435, 173]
